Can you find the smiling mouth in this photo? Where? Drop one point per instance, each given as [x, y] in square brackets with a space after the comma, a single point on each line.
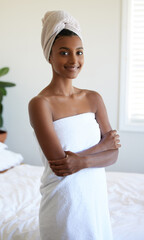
[72, 68]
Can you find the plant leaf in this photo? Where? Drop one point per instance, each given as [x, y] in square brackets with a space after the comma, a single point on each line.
[1, 98]
[1, 121]
[1, 108]
[6, 84]
[4, 71]
[3, 92]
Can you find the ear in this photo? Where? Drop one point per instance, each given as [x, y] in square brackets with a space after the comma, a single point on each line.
[50, 57]
[49, 60]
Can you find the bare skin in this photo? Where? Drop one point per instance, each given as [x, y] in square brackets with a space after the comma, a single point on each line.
[59, 100]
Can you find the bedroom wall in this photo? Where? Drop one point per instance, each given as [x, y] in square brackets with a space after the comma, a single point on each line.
[20, 49]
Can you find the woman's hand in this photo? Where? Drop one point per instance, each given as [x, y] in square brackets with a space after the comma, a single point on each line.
[70, 164]
[110, 141]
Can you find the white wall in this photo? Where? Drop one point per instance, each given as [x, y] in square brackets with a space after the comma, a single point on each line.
[20, 49]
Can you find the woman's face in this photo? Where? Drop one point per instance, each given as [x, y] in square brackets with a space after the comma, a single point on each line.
[67, 57]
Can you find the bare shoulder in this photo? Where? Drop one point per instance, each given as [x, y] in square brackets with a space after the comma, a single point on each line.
[97, 105]
[100, 111]
[41, 99]
[94, 99]
[93, 94]
[39, 107]
[37, 101]
[42, 122]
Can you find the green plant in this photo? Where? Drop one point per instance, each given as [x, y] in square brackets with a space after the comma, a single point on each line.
[3, 92]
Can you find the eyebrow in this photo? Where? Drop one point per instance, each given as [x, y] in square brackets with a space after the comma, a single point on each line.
[69, 49]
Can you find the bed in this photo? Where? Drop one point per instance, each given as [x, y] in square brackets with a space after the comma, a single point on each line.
[20, 199]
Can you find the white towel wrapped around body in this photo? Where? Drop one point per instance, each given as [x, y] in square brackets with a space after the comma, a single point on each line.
[75, 207]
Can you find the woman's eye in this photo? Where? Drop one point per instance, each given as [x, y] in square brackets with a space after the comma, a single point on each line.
[64, 53]
[79, 53]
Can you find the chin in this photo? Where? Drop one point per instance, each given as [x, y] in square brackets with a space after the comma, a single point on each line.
[72, 76]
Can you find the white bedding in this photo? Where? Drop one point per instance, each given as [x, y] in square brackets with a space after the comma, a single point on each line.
[20, 198]
[126, 202]
[19, 203]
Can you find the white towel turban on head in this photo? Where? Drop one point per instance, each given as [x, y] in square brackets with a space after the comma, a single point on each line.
[53, 23]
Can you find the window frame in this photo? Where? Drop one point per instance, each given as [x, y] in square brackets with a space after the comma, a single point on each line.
[124, 123]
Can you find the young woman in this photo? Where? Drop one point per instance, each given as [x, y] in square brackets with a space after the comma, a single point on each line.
[76, 140]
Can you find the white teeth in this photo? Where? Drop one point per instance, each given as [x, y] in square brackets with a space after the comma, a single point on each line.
[72, 67]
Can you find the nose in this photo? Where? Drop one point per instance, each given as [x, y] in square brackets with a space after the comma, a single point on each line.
[73, 59]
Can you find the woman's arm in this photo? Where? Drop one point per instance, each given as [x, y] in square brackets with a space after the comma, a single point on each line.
[109, 141]
[41, 120]
[73, 162]
[102, 154]
[109, 138]
[101, 159]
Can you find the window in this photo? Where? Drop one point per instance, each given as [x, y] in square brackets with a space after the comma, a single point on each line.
[131, 117]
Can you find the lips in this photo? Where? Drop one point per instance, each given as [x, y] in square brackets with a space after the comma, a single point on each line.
[72, 68]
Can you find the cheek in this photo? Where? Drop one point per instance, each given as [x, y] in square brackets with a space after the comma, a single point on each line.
[57, 66]
[57, 60]
[82, 61]
[82, 58]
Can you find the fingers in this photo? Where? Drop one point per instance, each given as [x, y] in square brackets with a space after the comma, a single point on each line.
[60, 171]
[65, 166]
[118, 145]
[57, 168]
[56, 162]
[113, 132]
[116, 139]
[60, 167]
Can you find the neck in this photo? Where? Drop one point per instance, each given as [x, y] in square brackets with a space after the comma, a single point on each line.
[62, 86]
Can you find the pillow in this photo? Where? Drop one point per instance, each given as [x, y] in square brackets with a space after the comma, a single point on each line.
[8, 158]
[3, 146]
